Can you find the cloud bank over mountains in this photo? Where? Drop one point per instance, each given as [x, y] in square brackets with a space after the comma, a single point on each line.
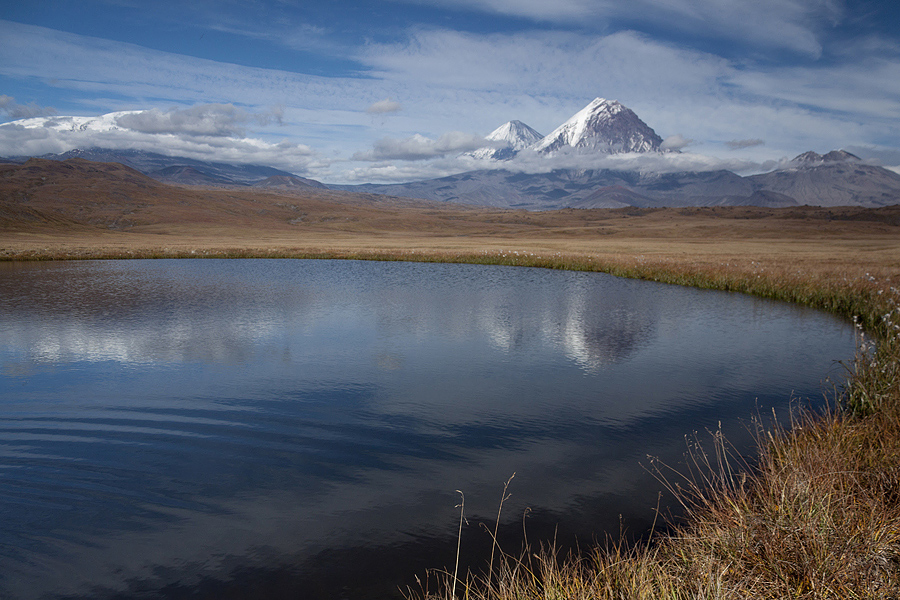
[217, 132]
[217, 120]
[203, 132]
[419, 147]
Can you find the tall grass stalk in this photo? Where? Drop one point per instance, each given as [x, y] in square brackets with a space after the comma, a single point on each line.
[462, 518]
[494, 544]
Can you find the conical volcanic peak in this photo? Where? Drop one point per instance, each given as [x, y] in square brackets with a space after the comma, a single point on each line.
[511, 137]
[603, 126]
[516, 134]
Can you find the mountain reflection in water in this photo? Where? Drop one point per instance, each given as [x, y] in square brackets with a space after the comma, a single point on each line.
[298, 428]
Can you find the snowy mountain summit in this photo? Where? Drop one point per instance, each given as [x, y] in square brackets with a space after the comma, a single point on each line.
[604, 126]
[509, 139]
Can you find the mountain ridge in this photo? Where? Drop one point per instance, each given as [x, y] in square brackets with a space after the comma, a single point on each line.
[176, 169]
[834, 183]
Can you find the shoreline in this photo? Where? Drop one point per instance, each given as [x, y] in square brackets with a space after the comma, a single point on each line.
[844, 288]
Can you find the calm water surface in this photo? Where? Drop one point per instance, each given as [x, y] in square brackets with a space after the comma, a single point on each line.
[296, 429]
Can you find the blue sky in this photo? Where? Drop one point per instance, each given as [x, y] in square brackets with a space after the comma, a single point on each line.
[396, 90]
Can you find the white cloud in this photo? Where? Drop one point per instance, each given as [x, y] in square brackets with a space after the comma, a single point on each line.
[865, 88]
[885, 156]
[557, 11]
[675, 142]
[419, 147]
[401, 173]
[535, 163]
[203, 120]
[383, 107]
[548, 74]
[217, 120]
[661, 162]
[95, 66]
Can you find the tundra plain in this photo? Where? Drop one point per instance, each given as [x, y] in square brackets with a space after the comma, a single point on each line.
[816, 516]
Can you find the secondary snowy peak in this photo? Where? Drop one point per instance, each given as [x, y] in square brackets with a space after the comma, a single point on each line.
[603, 126]
[509, 139]
[516, 134]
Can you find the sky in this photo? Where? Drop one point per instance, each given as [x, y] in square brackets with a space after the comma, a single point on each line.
[398, 90]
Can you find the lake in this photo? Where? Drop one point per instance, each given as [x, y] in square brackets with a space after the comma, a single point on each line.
[298, 429]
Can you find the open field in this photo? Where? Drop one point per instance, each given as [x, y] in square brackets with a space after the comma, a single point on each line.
[706, 236]
[80, 209]
[817, 517]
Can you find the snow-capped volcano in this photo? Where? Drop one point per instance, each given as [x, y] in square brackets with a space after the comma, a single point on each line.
[602, 126]
[510, 138]
[102, 123]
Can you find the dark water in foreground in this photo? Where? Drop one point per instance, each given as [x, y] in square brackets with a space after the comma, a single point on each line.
[296, 429]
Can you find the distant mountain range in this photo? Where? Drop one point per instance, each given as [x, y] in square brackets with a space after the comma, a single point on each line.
[847, 182]
[608, 127]
[837, 178]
